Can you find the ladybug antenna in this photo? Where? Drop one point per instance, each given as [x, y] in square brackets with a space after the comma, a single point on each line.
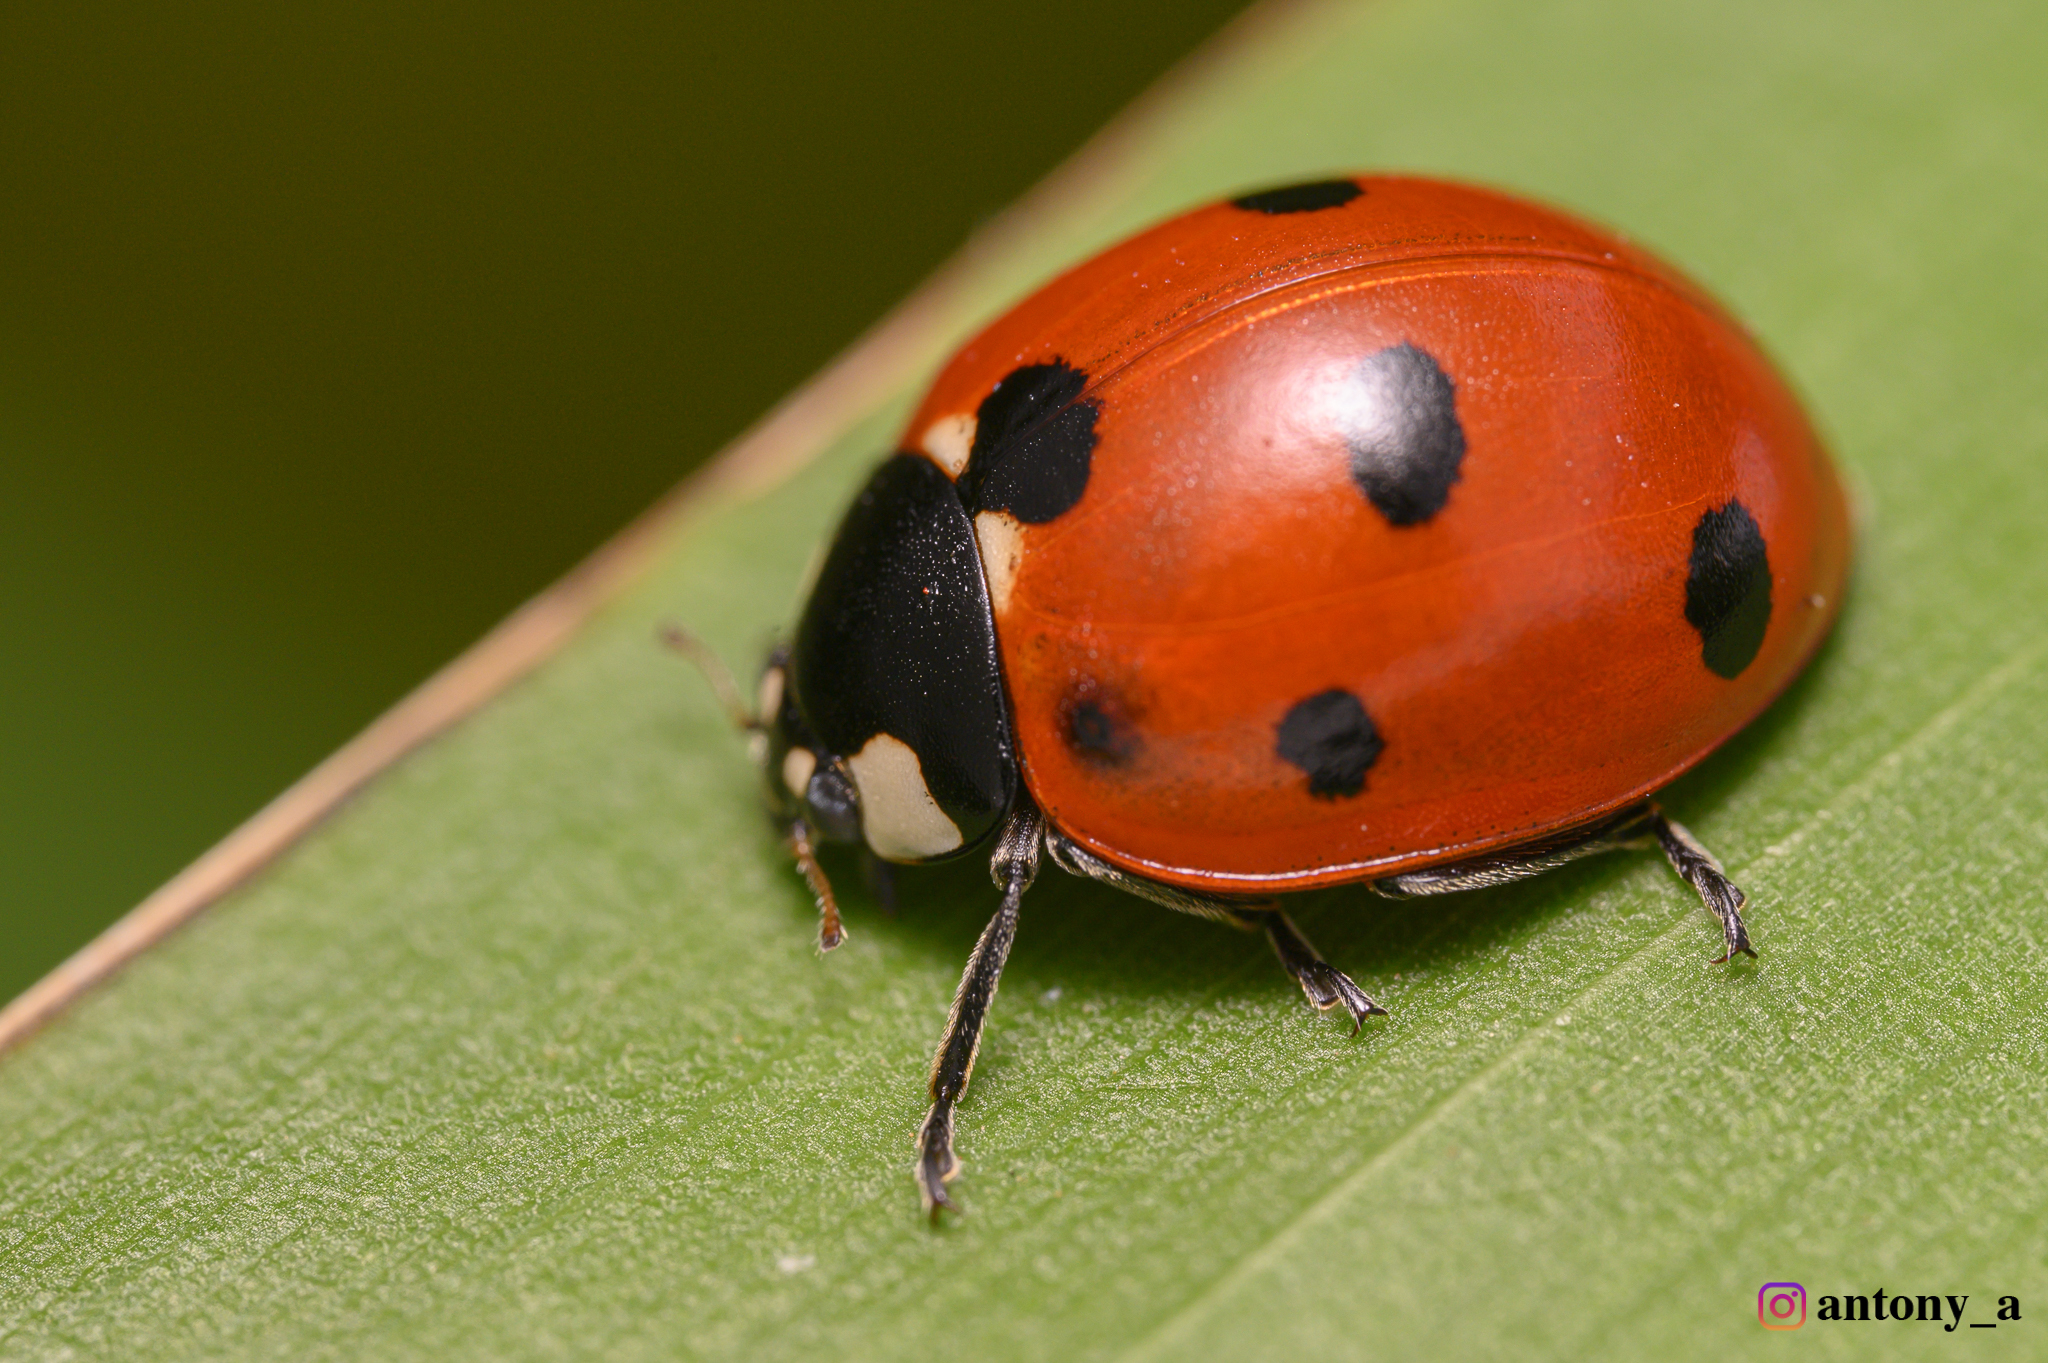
[716, 673]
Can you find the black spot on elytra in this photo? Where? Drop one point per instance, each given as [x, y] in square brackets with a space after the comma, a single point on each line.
[1033, 438]
[1308, 198]
[1406, 442]
[1728, 588]
[1092, 732]
[1097, 725]
[1332, 738]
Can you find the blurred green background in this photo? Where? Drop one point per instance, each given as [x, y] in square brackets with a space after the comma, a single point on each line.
[327, 337]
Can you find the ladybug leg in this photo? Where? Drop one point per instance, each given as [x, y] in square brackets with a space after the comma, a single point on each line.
[1634, 826]
[1639, 825]
[1077, 860]
[1013, 866]
[831, 932]
[1325, 985]
[881, 878]
[1701, 871]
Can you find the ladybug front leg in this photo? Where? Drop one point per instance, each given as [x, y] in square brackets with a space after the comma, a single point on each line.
[831, 932]
[1325, 985]
[1014, 866]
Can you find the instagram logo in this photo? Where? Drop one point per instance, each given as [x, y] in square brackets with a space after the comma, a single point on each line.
[1781, 1306]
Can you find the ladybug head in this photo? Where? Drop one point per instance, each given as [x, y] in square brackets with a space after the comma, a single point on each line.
[804, 781]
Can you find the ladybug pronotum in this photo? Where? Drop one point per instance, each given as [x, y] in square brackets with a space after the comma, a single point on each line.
[1377, 530]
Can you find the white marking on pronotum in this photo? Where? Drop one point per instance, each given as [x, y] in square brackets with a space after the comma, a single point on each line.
[949, 441]
[770, 699]
[797, 766]
[1002, 548]
[898, 816]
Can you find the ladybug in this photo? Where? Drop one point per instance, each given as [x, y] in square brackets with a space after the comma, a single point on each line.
[1376, 530]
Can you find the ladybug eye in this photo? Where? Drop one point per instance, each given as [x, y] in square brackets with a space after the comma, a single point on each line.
[834, 806]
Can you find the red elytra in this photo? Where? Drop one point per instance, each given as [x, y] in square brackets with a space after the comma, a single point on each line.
[1524, 651]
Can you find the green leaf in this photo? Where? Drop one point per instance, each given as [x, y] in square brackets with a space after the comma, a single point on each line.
[526, 1051]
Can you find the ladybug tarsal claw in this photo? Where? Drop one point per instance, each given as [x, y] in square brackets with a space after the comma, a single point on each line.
[1338, 988]
[936, 1163]
[1325, 985]
[1698, 867]
[1738, 943]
